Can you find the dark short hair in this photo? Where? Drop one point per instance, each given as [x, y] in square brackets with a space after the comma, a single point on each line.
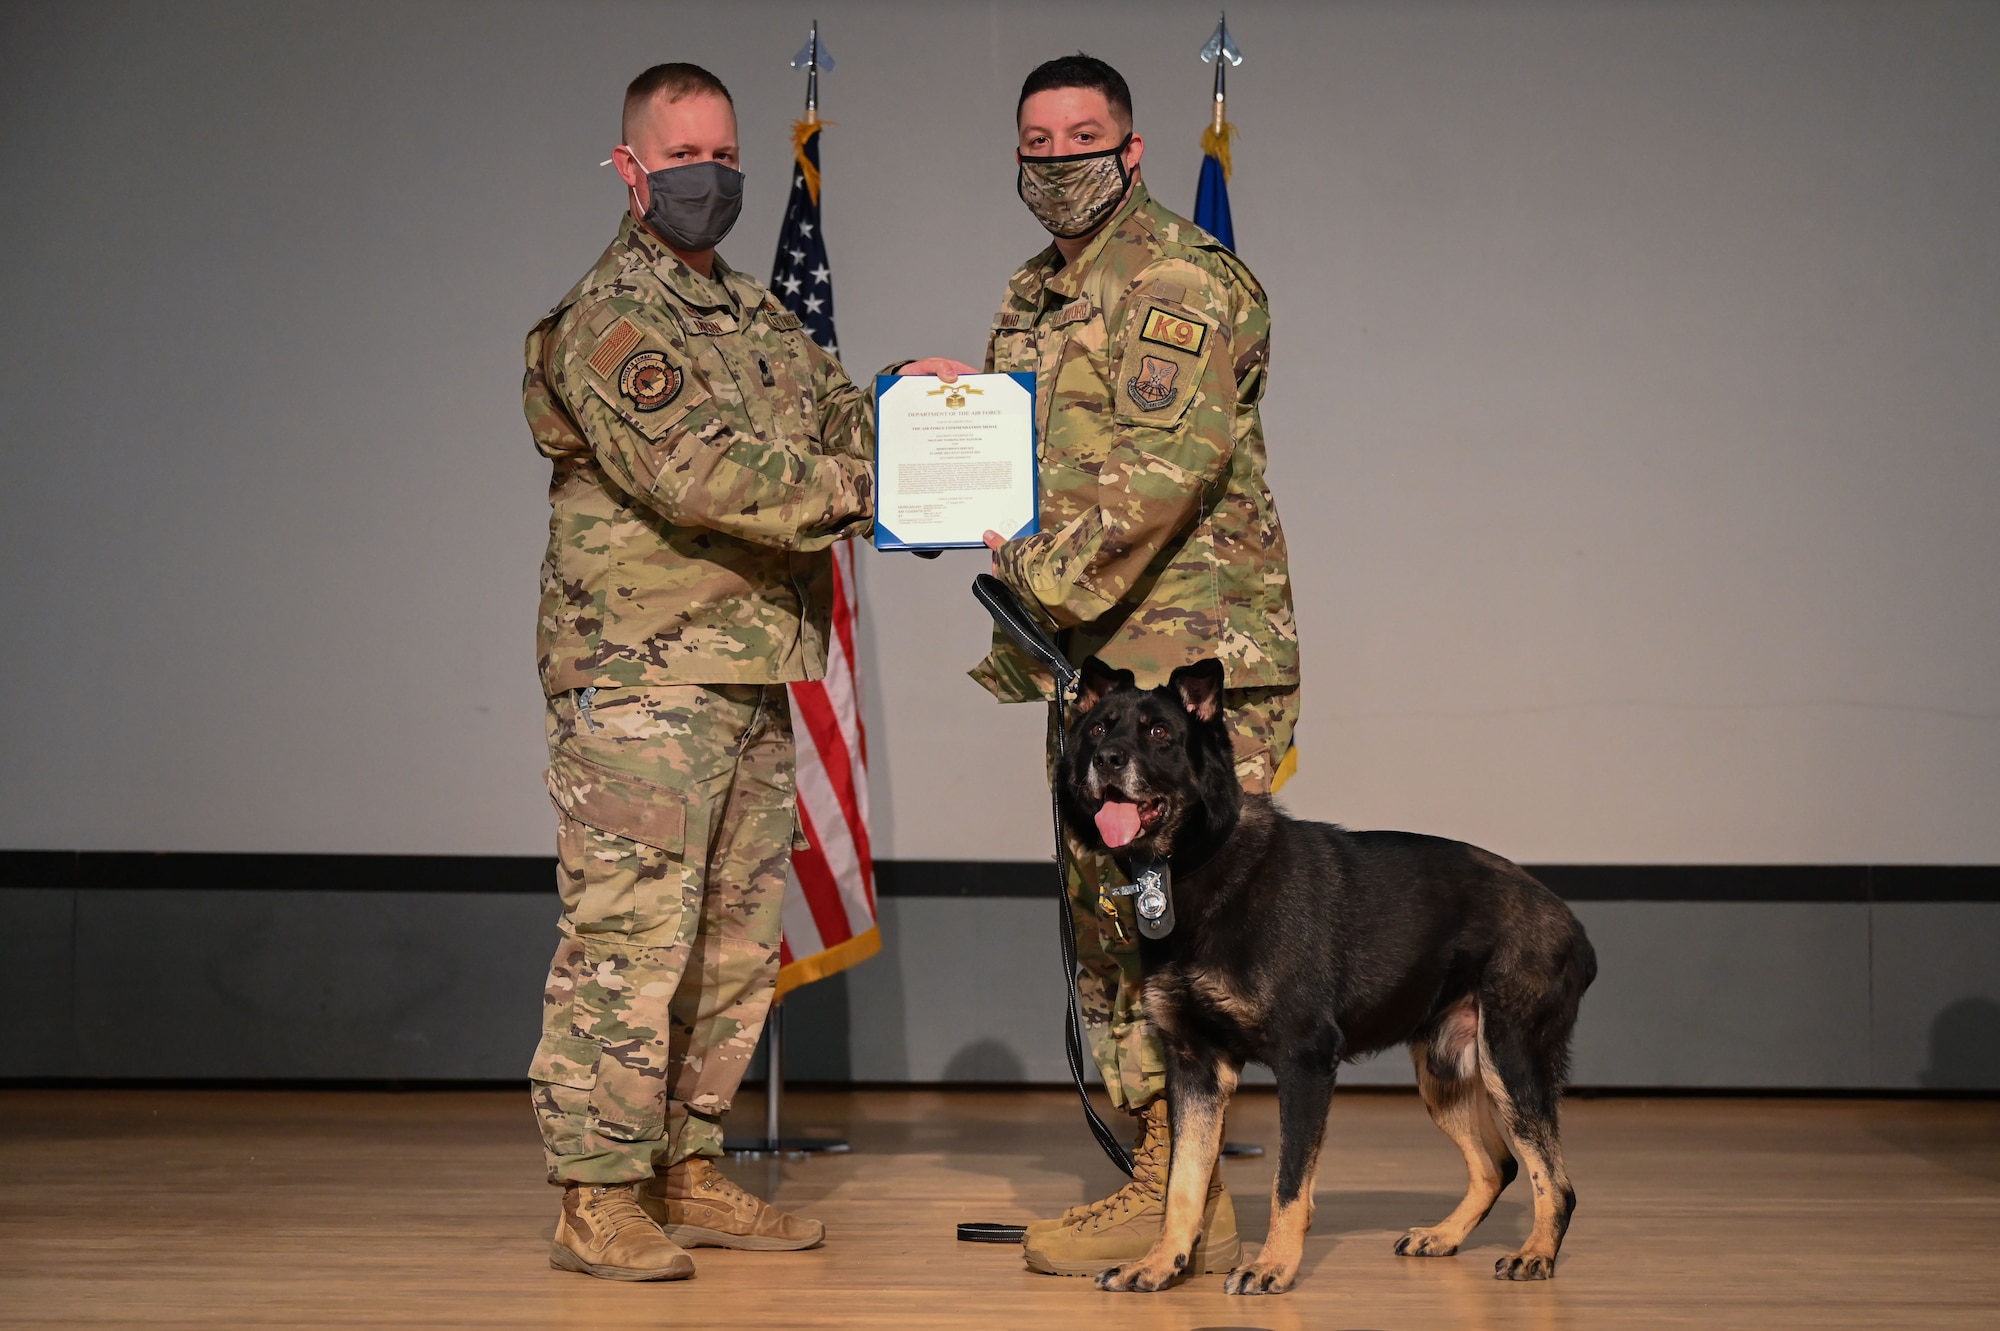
[1078, 71]
[675, 80]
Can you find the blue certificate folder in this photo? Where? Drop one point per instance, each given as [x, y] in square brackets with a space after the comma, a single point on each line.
[887, 539]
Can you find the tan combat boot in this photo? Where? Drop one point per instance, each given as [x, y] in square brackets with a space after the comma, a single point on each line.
[1085, 1240]
[602, 1232]
[698, 1207]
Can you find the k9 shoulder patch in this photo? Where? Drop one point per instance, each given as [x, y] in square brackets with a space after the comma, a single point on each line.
[648, 381]
[1173, 330]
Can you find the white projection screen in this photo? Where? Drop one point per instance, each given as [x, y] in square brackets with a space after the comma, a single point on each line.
[1634, 415]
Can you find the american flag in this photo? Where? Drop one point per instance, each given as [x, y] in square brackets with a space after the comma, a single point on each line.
[799, 274]
[829, 911]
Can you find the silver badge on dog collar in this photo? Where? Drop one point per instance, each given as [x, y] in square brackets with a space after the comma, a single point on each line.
[1155, 905]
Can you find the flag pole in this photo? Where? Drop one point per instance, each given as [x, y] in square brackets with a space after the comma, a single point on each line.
[1211, 206]
[774, 1072]
[1221, 68]
[1212, 214]
[812, 57]
[811, 54]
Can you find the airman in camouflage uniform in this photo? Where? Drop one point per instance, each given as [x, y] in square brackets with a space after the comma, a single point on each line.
[1159, 545]
[707, 453]
[1159, 542]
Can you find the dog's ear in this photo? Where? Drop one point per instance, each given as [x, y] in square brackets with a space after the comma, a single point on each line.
[1200, 688]
[1098, 680]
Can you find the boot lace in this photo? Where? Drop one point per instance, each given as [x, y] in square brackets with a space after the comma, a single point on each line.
[616, 1210]
[1149, 1181]
[707, 1178]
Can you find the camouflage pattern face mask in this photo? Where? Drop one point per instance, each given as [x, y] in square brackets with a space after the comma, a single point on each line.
[1072, 196]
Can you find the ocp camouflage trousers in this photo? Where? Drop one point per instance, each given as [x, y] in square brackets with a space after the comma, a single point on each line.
[1110, 981]
[676, 810]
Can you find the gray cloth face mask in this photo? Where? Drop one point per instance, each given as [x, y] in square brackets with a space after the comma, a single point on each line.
[693, 206]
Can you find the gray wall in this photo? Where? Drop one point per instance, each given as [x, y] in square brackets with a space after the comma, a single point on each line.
[425, 986]
[1634, 415]
[1633, 408]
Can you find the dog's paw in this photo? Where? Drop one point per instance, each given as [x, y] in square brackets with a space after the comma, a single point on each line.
[1524, 1266]
[1424, 1243]
[1148, 1275]
[1258, 1278]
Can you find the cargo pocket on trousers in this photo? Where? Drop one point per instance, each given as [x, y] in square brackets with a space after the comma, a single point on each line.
[628, 1104]
[627, 806]
[563, 1073]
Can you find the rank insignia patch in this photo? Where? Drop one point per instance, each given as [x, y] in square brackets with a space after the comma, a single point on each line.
[1173, 331]
[614, 346]
[649, 381]
[1153, 387]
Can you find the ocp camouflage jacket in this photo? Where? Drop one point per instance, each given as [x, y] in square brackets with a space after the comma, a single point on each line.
[1159, 541]
[707, 453]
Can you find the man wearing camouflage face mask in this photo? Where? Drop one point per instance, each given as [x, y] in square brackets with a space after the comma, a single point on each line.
[1159, 544]
[706, 454]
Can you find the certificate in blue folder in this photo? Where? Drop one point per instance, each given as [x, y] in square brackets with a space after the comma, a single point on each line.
[954, 461]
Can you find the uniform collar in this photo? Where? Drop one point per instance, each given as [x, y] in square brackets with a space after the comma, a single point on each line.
[726, 290]
[1046, 272]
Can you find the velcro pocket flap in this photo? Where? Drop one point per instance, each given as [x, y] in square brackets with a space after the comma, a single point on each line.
[566, 1060]
[615, 802]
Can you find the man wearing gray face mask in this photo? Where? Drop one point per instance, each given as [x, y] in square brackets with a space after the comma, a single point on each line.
[706, 456]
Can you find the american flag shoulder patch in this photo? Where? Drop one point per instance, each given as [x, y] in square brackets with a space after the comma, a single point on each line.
[613, 347]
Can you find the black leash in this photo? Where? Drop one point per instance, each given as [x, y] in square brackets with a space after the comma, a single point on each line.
[1012, 617]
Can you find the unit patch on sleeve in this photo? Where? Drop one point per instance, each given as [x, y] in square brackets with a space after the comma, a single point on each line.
[614, 346]
[1152, 388]
[1171, 330]
[648, 380]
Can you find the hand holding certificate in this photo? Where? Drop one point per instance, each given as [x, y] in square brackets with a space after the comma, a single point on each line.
[954, 460]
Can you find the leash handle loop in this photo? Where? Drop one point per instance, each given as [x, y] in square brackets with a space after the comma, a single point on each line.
[1015, 622]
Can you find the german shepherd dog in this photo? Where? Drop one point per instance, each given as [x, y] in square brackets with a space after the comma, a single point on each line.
[1302, 945]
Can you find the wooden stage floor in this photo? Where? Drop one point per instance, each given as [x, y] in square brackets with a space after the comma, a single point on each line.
[426, 1209]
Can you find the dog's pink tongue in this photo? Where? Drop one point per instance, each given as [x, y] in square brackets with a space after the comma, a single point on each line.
[1118, 823]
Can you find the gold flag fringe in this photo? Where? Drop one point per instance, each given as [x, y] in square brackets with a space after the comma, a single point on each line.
[831, 961]
[801, 131]
[1215, 142]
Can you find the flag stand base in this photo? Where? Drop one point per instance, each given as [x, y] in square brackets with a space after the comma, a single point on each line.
[755, 1146]
[771, 1143]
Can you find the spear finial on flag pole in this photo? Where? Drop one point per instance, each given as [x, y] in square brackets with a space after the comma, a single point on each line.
[812, 58]
[1221, 49]
[1211, 206]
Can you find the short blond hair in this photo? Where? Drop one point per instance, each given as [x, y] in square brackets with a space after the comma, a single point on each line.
[673, 81]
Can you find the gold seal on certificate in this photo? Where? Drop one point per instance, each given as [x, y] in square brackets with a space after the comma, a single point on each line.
[953, 461]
